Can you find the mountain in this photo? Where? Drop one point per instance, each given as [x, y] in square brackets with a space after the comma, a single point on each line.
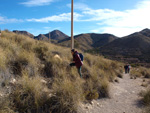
[54, 35]
[24, 33]
[41, 37]
[89, 41]
[132, 48]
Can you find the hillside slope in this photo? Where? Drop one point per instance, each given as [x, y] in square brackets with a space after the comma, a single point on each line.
[35, 76]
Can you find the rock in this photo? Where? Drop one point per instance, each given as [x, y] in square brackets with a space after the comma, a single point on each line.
[42, 65]
[50, 95]
[46, 90]
[57, 57]
[88, 107]
[98, 104]
[12, 81]
[1, 95]
[43, 81]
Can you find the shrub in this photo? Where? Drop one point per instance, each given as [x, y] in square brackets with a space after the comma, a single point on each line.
[141, 71]
[27, 45]
[22, 60]
[103, 90]
[2, 60]
[90, 95]
[29, 95]
[4, 106]
[146, 97]
[41, 50]
[67, 96]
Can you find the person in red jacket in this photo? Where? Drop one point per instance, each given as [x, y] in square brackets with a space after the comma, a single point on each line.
[76, 61]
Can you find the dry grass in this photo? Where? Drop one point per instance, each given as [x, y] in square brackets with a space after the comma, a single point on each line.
[141, 71]
[30, 61]
[146, 97]
[30, 94]
[2, 59]
[146, 100]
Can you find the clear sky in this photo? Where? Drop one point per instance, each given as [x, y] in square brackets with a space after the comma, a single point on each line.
[118, 17]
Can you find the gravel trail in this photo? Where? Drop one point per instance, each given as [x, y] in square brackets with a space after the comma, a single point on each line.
[124, 98]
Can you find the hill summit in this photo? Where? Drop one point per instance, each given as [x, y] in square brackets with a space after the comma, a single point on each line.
[54, 35]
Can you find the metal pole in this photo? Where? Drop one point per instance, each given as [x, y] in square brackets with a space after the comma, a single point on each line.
[49, 37]
[72, 38]
[0, 33]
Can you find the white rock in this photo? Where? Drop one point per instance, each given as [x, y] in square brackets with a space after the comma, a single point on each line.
[43, 81]
[46, 90]
[57, 57]
[50, 95]
[1, 95]
[12, 81]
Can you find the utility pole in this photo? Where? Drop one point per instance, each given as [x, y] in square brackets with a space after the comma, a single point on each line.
[49, 37]
[0, 33]
[72, 38]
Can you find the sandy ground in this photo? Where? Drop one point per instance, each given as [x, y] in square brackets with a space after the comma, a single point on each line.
[124, 98]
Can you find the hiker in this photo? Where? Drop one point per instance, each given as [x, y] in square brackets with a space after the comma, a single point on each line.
[129, 67]
[126, 69]
[77, 61]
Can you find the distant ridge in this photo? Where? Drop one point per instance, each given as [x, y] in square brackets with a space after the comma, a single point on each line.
[89, 40]
[24, 33]
[135, 46]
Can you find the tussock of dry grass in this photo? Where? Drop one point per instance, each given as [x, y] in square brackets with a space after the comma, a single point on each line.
[30, 61]
[29, 95]
[2, 59]
[141, 71]
[146, 100]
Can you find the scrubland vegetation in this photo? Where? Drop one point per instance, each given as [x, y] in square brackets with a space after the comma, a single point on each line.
[47, 84]
[145, 74]
[140, 72]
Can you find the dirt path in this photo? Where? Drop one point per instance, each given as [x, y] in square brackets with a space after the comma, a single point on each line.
[124, 98]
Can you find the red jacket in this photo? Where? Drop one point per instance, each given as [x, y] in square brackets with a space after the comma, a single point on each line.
[77, 60]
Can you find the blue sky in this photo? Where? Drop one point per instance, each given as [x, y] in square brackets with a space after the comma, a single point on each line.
[118, 17]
